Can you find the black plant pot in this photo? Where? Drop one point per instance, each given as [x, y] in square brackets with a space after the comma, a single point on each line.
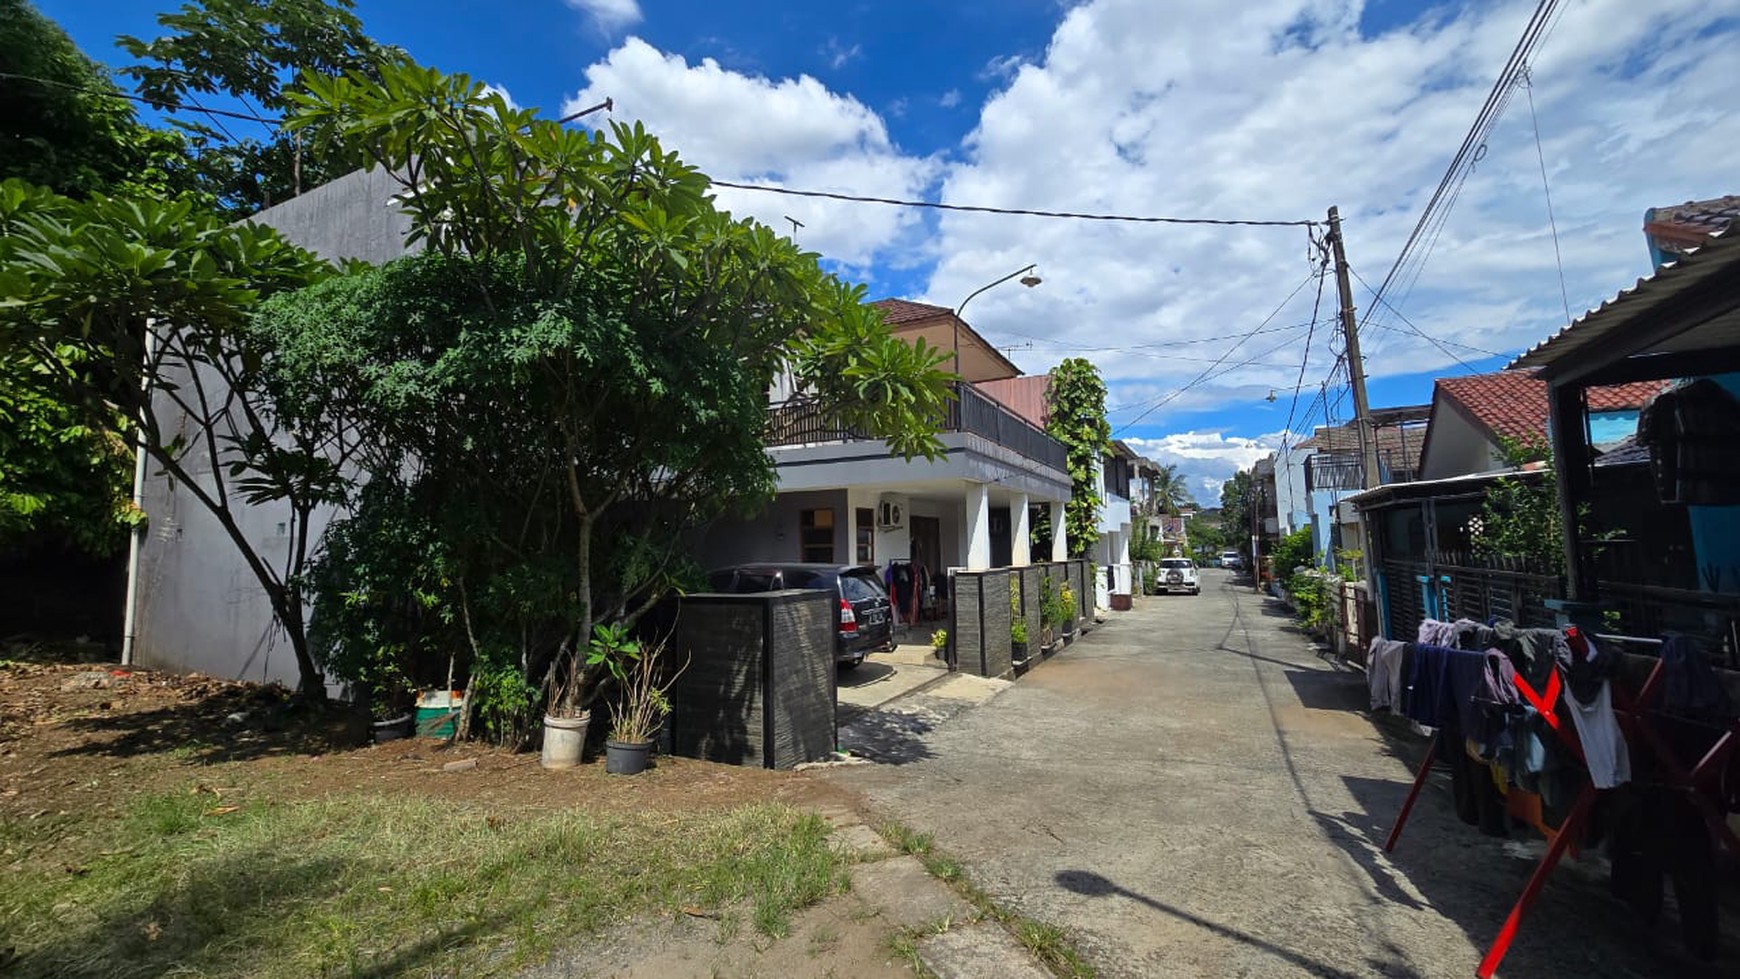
[392, 729]
[1019, 651]
[625, 757]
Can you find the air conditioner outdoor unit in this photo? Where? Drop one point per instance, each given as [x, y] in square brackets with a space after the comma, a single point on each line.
[891, 515]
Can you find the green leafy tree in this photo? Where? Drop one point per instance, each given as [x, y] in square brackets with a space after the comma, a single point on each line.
[65, 126]
[140, 308]
[253, 51]
[1294, 551]
[1205, 535]
[1236, 499]
[1076, 399]
[574, 371]
[1520, 517]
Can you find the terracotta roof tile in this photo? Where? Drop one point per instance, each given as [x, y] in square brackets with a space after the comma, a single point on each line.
[1682, 226]
[1513, 404]
[898, 311]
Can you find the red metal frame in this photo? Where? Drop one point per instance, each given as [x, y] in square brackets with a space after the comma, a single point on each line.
[1632, 712]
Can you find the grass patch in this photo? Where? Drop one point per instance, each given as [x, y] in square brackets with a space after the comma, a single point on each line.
[378, 885]
[1048, 943]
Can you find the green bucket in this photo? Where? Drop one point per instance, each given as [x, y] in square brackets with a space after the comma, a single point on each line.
[438, 713]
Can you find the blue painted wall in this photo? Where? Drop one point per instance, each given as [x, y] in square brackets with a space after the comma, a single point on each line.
[1609, 427]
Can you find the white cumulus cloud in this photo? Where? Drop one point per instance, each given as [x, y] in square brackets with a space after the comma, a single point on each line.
[1206, 459]
[610, 16]
[1279, 108]
[775, 131]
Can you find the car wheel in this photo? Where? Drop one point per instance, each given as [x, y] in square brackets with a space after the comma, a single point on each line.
[1197, 590]
[851, 664]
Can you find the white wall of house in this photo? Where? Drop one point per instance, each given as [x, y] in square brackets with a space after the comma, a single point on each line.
[1292, 502]
[1456, 446]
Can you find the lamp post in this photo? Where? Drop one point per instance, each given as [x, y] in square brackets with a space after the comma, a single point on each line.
[1028, 279]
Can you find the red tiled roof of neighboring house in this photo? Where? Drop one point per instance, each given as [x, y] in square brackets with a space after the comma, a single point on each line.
[1513, 404]
[898, 311]
[1682, 226]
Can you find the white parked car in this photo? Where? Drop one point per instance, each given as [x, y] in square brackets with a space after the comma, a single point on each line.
[1231, 560]
[1177, 574]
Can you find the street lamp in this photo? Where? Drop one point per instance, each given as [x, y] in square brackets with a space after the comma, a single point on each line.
[1028, 279]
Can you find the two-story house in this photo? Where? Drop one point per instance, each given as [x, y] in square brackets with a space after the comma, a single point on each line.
[844, 498]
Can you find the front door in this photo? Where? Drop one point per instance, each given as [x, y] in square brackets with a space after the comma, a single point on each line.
[927, 550]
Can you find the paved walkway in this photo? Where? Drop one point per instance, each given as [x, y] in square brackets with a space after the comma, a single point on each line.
[1193, 792]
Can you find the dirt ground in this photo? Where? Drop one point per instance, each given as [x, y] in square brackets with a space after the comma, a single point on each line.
[85, 739]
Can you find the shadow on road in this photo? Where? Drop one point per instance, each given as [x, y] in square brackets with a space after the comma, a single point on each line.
[1090, 884]
[866, 673]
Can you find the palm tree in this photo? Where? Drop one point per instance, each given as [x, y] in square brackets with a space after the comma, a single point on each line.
[1171, 493]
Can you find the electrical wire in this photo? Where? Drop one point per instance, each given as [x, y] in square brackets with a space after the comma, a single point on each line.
[1471, 151]
[1546, 190]
[1305, 357]
[1169, 398]
[1415, 329]
[1029, 212]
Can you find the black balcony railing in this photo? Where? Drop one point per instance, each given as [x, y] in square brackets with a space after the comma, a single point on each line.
[804, 422]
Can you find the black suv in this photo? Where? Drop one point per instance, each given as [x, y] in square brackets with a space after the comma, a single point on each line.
[865, 621]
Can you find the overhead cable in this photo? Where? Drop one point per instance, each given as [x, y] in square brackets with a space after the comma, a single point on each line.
[1169, 398]
[1029, 212]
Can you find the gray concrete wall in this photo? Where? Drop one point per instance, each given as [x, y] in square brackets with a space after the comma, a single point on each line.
[772, 535]
[199, 605]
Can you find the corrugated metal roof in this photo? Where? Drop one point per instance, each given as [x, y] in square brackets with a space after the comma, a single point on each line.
[1718, 258]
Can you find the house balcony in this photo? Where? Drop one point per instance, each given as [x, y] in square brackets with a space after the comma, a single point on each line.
[800, 422]
[1342, 471]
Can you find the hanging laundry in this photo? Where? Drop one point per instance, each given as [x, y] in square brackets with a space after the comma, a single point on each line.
[1690, 683]
[1383, 671]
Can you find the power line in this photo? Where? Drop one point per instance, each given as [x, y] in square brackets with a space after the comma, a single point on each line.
[1547, 191]
[1162, 402]
[1029, 212]
[117, 93]
[1440, 344]
[1473, 146]
[1305, 358]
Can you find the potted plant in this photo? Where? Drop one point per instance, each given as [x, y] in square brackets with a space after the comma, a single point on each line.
[643, 699]
[1017, 628]
[390, 704]
[939, 643]
[565, 721]
[1066, 615]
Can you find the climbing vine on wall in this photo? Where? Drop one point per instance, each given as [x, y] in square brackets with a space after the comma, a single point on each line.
[1077, 400]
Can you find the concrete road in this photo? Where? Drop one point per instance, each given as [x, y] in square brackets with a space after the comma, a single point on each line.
[1193, 792]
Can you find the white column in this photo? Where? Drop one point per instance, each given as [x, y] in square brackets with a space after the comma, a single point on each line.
[979, 527]
[1059, 533]
[1020, 540]
[1123, 561]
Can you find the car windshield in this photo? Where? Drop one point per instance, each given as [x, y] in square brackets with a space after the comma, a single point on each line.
[860, 587]
[1175, 563]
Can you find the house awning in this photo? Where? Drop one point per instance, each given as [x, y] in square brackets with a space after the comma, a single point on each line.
[1467, 487]
[1682, 321]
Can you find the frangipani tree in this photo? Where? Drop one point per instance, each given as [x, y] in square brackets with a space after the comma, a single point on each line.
[572, 374]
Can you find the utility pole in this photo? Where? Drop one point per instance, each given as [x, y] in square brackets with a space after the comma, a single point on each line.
[1355, 365]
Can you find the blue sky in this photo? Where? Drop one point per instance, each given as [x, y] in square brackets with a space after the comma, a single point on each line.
[1259, 109]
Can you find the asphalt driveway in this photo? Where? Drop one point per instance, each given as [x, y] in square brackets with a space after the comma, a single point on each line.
[1194, 792]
